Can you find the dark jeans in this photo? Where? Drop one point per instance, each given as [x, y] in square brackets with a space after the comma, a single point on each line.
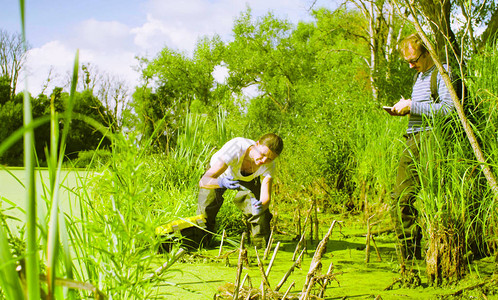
[403, 212]
[210, 202]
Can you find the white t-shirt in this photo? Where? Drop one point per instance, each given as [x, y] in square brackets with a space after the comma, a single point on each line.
[232, 153]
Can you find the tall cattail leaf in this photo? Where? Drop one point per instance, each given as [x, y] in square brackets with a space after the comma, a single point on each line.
[9, 280]
[32, 260]
[53, 236]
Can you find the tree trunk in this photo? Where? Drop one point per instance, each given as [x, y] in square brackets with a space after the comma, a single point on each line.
[490, 32]
[439, 15]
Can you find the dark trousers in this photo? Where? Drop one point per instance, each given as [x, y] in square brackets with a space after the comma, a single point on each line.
[403, 212]
[210, 201]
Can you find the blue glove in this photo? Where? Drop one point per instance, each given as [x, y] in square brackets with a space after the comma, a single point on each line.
[228, 183]
[257, 207]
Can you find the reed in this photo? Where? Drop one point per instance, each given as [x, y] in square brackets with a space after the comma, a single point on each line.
[32, 261]
[457, 206]
[376, 149]
[29, 264]
[483, 89]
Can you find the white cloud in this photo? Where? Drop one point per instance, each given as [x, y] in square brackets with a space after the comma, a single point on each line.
[179, 24]
[53, 55]
[198, 16]
[251, 91]
[119, 64]
[103, 36]
[154, 35]
[58, 59]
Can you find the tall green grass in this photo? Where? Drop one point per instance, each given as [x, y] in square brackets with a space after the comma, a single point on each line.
[105, 243]
[483, 87]
[454, 198]
[457, 206]
[376, 146]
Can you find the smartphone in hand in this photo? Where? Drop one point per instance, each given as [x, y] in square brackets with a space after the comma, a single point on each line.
[389, 110]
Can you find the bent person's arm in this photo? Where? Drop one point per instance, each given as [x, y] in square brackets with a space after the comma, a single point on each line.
[210, 179]
[266, 186]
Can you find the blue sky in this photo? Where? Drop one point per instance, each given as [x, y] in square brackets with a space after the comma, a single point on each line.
[110, 33]
[55, 19]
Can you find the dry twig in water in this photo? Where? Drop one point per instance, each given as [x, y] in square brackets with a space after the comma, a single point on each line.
[284, 279]
[268, 247]
[242, 253]
[316, 262]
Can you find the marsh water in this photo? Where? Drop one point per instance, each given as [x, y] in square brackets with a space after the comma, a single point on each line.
[13, 193]
[200, 275]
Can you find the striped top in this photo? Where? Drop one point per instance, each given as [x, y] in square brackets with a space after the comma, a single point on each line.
[424, 105]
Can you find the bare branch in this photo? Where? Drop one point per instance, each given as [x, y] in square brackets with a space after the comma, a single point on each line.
[12, 57]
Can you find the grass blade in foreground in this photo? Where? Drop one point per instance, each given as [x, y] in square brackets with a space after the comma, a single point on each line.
[53, 236]
[9, 280]
[32, 262]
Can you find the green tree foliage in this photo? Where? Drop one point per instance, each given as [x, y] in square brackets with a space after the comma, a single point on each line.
[313, 86]
[82, 136]
[4, 89]
[261, 55]
[178, 82]
[11, 118]
[310, 90]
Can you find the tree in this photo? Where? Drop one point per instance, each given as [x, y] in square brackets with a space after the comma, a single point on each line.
[12, 58]
[263, 56]
[378, 31]
[40, 107]
[112, 91]
[308, 92]
[11, 118]
[82, 135]
[4, 90]
[172, 82]
[383, 32]
[489, 33]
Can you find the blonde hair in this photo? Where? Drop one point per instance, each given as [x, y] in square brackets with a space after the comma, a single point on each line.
[273, 142]
[414, 41]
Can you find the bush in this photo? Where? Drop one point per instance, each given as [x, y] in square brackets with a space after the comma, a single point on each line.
[93, 158]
